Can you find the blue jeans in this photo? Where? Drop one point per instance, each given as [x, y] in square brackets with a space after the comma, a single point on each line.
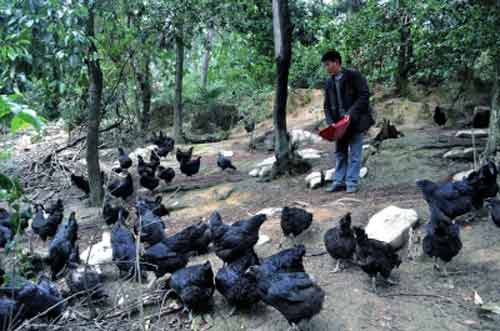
[348, 155]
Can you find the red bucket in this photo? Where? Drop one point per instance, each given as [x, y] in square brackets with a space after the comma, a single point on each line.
[335, 131]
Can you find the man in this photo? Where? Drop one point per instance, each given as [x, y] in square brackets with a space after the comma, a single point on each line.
[347, 94]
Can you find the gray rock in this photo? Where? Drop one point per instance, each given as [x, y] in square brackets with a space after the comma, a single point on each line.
[391, 225]
[478, 133]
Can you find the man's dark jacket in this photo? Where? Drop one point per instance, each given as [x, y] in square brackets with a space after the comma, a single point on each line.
[355, 100]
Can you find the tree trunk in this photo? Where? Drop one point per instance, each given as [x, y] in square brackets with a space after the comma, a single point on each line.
[282, 28]
[405, 53]
[494, 128]
[143, 74]
[179, 67]
[94, 114]
[206, 58]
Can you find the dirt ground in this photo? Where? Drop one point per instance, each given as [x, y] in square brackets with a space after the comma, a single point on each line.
[422, 300]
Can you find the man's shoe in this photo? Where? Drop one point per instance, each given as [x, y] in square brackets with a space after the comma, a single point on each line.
[352, 189]
[336, 188]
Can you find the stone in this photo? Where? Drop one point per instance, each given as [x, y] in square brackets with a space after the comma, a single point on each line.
[264, 171]
[329, 175]
[266, 162]
[461, 175]
[223, 193]
[270, 211]
[479, 133]
[304, 137]
[254, 172]
[363, 172]
[312, 175]
[391, 225]
[100, 253]
[309, 153]
[263, 239]
[460, 153]
[228, 154]
[315, 182]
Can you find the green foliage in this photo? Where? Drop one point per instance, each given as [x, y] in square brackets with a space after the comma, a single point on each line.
[43, 49]
[11, 191]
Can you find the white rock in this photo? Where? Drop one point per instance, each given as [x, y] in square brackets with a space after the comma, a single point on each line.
[329, 175]
[461, 175]
[263, 239]
[478, 133]
[309, 153]
[315, 182]
[270, 212]
[467, 153]
[266, 162]
[100, 253]
[363, 172]
[228, 154]
[264, 171]
[391, 225]
[304, 137]
[312, 175]
[254, 172]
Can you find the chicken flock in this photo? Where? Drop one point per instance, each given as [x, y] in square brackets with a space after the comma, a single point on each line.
[280, 280]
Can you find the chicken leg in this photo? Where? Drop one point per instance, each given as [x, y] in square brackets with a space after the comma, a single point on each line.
[337, 267]
[374, 284]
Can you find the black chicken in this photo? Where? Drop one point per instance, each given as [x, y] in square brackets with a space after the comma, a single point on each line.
[194, 238]
[166, 174]
[230, 241]
[154, 160]
[442, 241]
[123, 246]
[122, 187]
[224, 163]
[10, 314]
[37, 298]
[84, 280]
[149, 182]
[451, 199]
[194, 285]
[145, 168]
[81, 183]
[160, 259]
[123, 159]
[249, 125]
[288, 260]
[191, 167]
[46, 227]
[494, 207]
[164, 143]
[6, 236]
[340, 242]
[439, 116]
[5, 217]
[63, 244]
[183, 156]
[239, 288]
[158, 208]
[149, 226]
[375, 257]
[294, 294]
[295, 220]
[110, 212]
